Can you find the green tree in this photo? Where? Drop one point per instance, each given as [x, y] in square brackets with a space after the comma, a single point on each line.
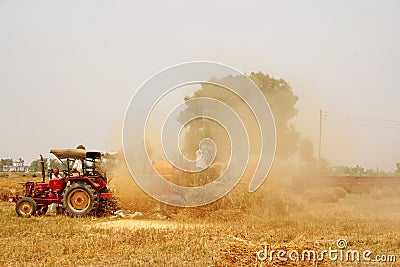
[282, 100]
[6, 162]
[306, 155]
[56, 164]
[36, 165]
[81, 147]
[280, 97]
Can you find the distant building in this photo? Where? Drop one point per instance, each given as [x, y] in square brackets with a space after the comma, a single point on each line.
[10, 165]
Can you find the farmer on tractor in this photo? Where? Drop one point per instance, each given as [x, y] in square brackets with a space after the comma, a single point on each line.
[54, 174]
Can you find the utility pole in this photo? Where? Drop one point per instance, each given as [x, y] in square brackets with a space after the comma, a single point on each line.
[320, 141]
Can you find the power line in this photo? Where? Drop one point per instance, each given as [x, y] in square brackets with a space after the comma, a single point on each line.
[354, 117]
[383, 123]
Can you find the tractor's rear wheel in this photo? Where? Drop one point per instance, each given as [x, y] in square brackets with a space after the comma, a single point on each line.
[26, 207]
[79, 199]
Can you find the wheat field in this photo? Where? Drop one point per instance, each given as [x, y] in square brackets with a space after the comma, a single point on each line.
[283, 216]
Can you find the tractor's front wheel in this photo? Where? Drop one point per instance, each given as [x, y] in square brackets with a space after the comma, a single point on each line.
[26, 207]
[79, 199]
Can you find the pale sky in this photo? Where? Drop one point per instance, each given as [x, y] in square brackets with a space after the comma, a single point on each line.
[69, 68]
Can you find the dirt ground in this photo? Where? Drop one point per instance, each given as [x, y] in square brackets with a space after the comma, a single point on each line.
[293, 215]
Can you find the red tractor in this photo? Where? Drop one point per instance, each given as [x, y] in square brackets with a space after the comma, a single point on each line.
[81, 190]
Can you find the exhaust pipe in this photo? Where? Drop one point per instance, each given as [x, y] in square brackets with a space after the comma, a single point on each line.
[42, 163]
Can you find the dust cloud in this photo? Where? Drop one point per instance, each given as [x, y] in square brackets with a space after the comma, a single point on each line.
[292, 191]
